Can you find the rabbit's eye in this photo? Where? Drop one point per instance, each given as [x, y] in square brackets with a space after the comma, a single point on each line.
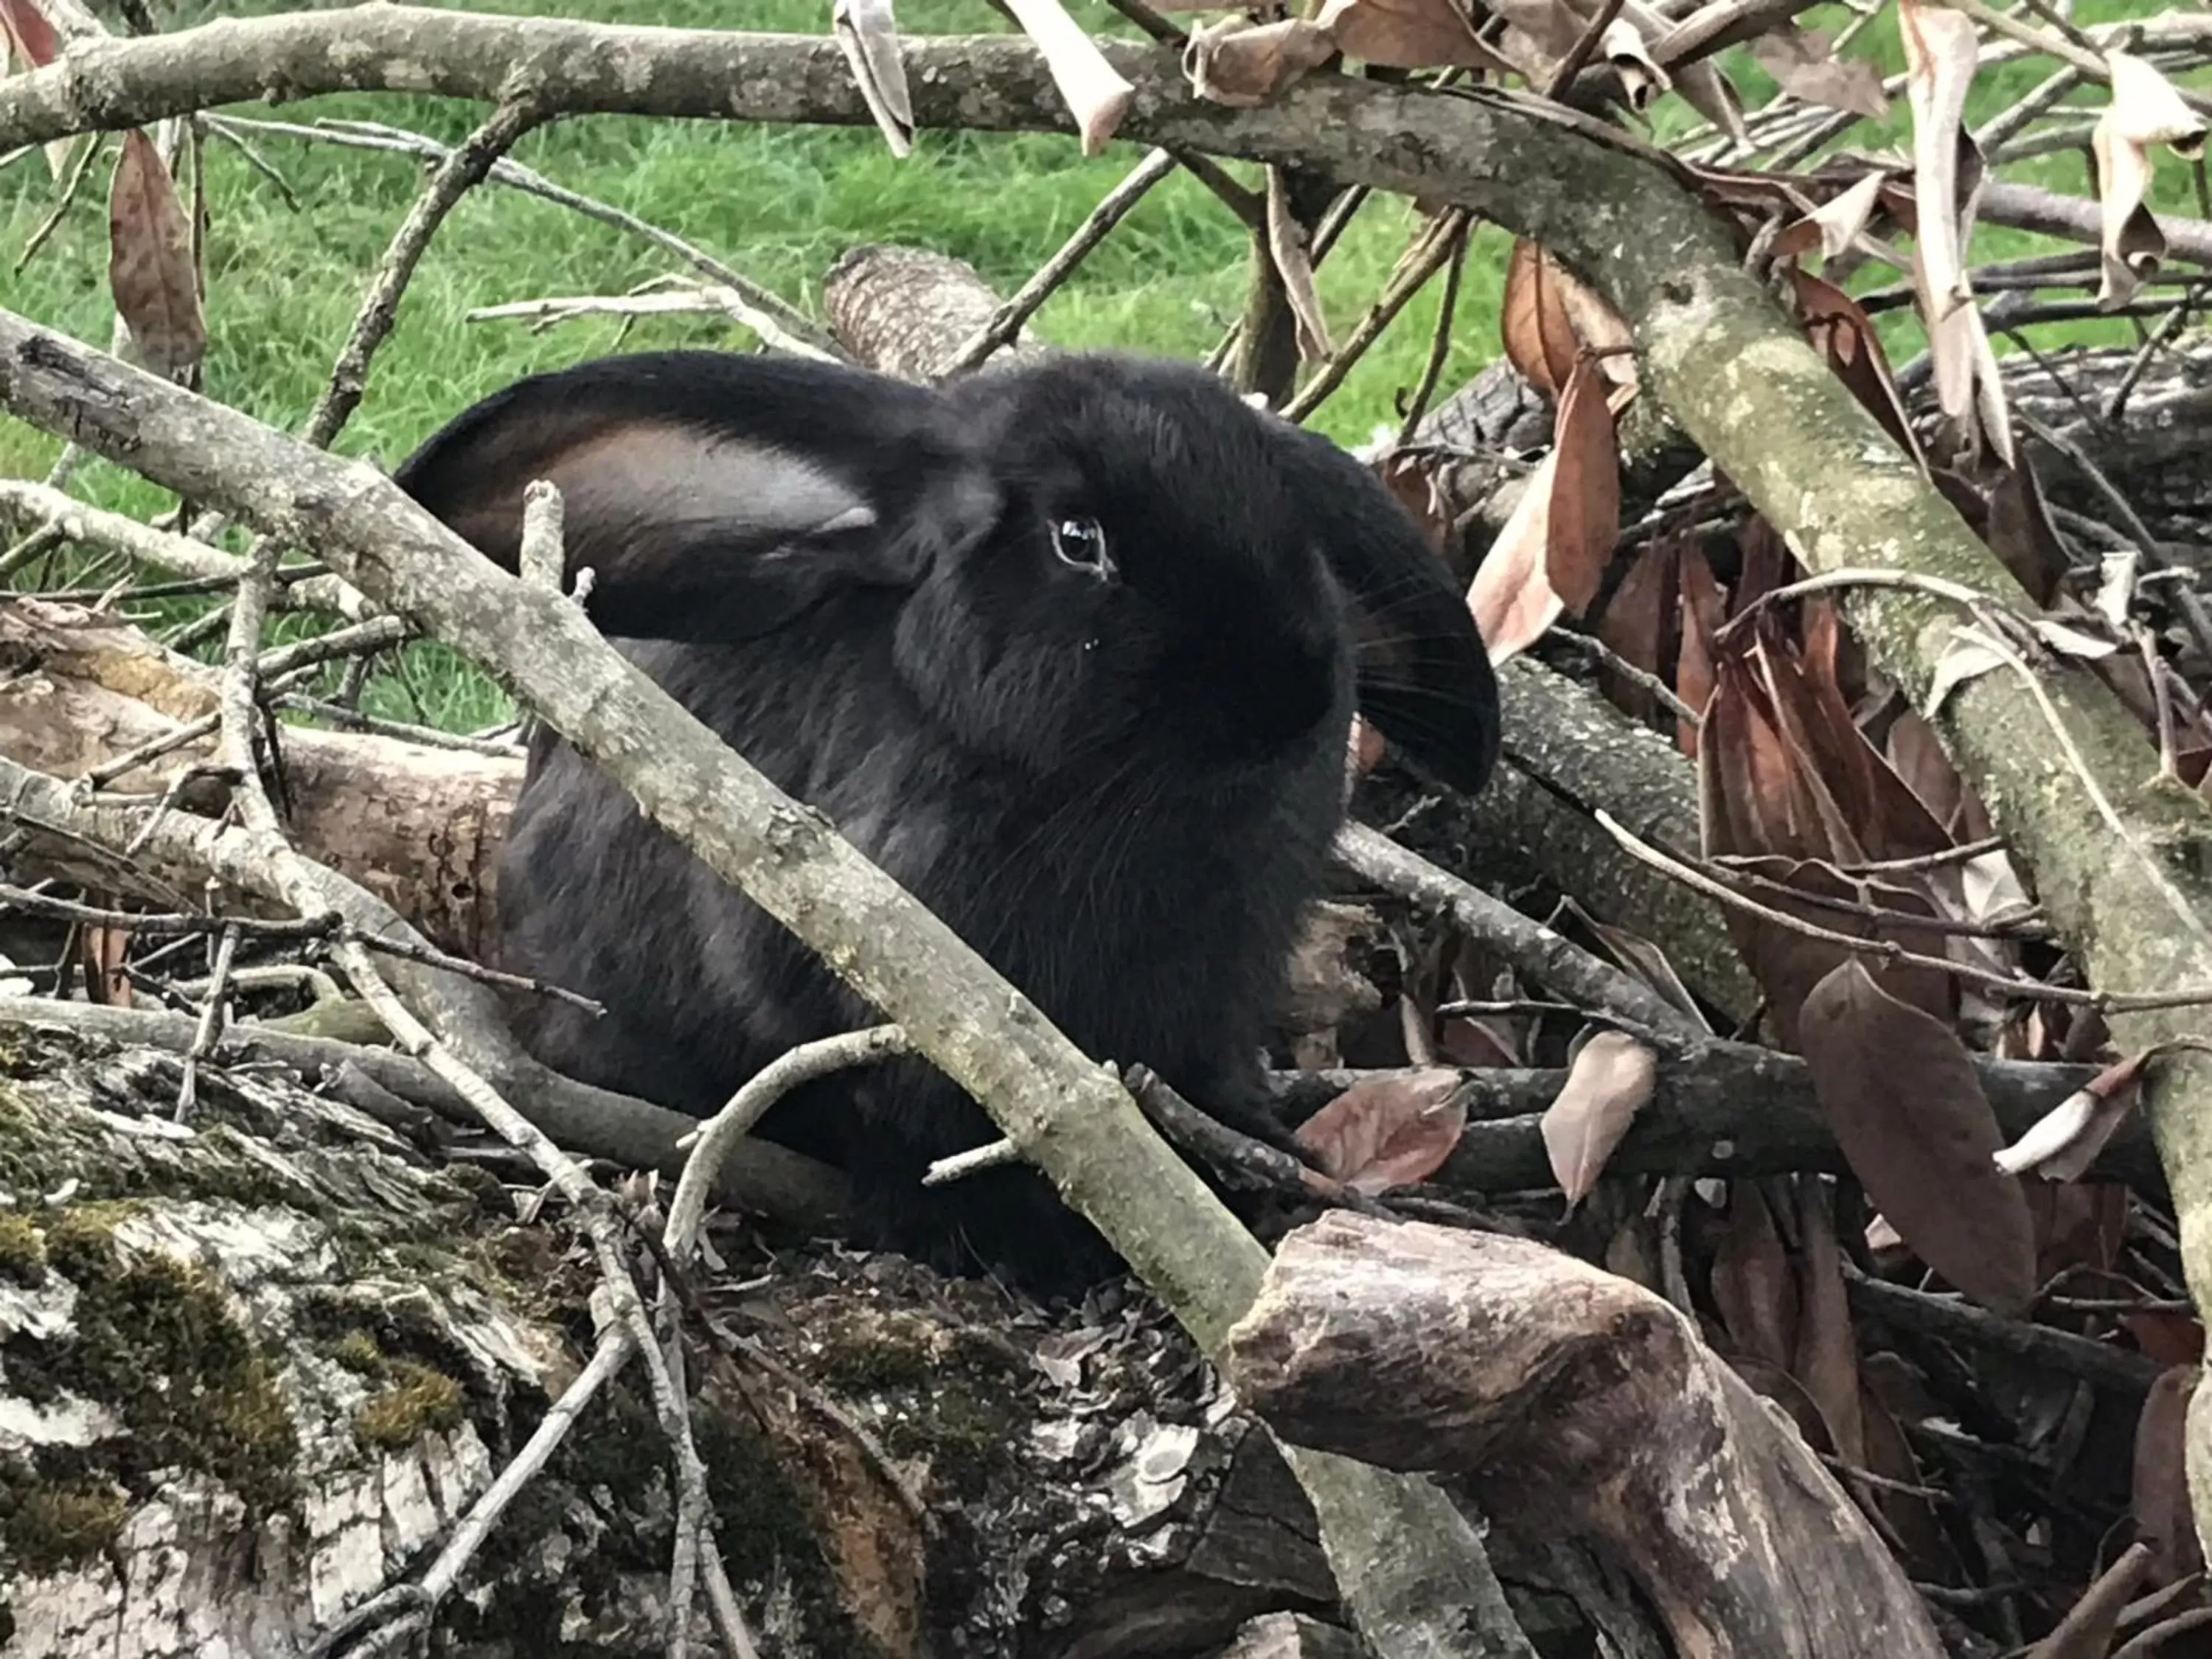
[1082, 544]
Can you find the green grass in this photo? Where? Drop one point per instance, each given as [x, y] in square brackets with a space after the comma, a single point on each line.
[780, 204]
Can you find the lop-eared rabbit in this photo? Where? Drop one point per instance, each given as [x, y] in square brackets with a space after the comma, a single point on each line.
[1070, 649]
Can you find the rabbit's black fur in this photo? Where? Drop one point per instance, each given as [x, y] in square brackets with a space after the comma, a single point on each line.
[1117, 779]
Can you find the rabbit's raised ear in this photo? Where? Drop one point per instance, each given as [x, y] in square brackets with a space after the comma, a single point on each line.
[713, 496]
[1425, 677]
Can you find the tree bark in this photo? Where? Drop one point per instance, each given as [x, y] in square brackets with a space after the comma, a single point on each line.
[365, 1336]
[1567, 1398]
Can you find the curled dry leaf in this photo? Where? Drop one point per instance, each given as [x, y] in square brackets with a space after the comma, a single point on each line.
[2161, 1504]
[1642, 80]
[1804, 64]
[1407, 34]
[1245, 68]
[1941, 52]
[2145, 111]
[1609, 1080]
[1386, 1132]
[1900, 1095]
[149, 262]
[1971, 654]
[867, 34]
[1097, 94]
[2065, 1140]
[1290, 245]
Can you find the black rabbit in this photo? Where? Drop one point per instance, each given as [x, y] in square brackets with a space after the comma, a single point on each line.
[1069, 650]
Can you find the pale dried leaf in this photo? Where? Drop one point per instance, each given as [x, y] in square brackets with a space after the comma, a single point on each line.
[1941, 52]
[1970, 655]
[1842, 219]
[1803, 64]
[1228, 62]
[149, 265]
[2116, 586]
[1608, 1081]
[1289, 244]
[1096, 93]
[867, 33]
[1405, 34]
[1389, 1131]
[1642, 79]
[2145, 111]
[1900, 1094]
[2061, 1144]
[2072, 641]
[1511, 597]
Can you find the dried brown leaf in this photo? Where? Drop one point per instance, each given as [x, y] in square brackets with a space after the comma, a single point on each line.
[1539, 334]
[2160, 1502]
[1900, 1094]
[2145, 112]
[1826, 1360]
[1242, 67]
[1940, 52]
[101, 952]
[1585, 521]
[1803, 64]
[867, 33]
[1389, 1131]
[149, 265]
[1637, 625]
[1702, 614]
[1609, 1080]
[1407, 34]
[1843, 334]
[1754, 1286]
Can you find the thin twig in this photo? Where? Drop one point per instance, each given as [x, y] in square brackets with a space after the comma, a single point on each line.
[460, 171]
[1440, 340]
[1889, 951]
[686, 1209]
[1441, 236]
[1006, 322]
[368, 134]
[211, 1021]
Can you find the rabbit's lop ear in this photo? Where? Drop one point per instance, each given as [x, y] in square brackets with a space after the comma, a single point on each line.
[1424, 678]
[713, 496]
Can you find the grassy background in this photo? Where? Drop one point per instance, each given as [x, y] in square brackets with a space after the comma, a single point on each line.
[780, 204]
